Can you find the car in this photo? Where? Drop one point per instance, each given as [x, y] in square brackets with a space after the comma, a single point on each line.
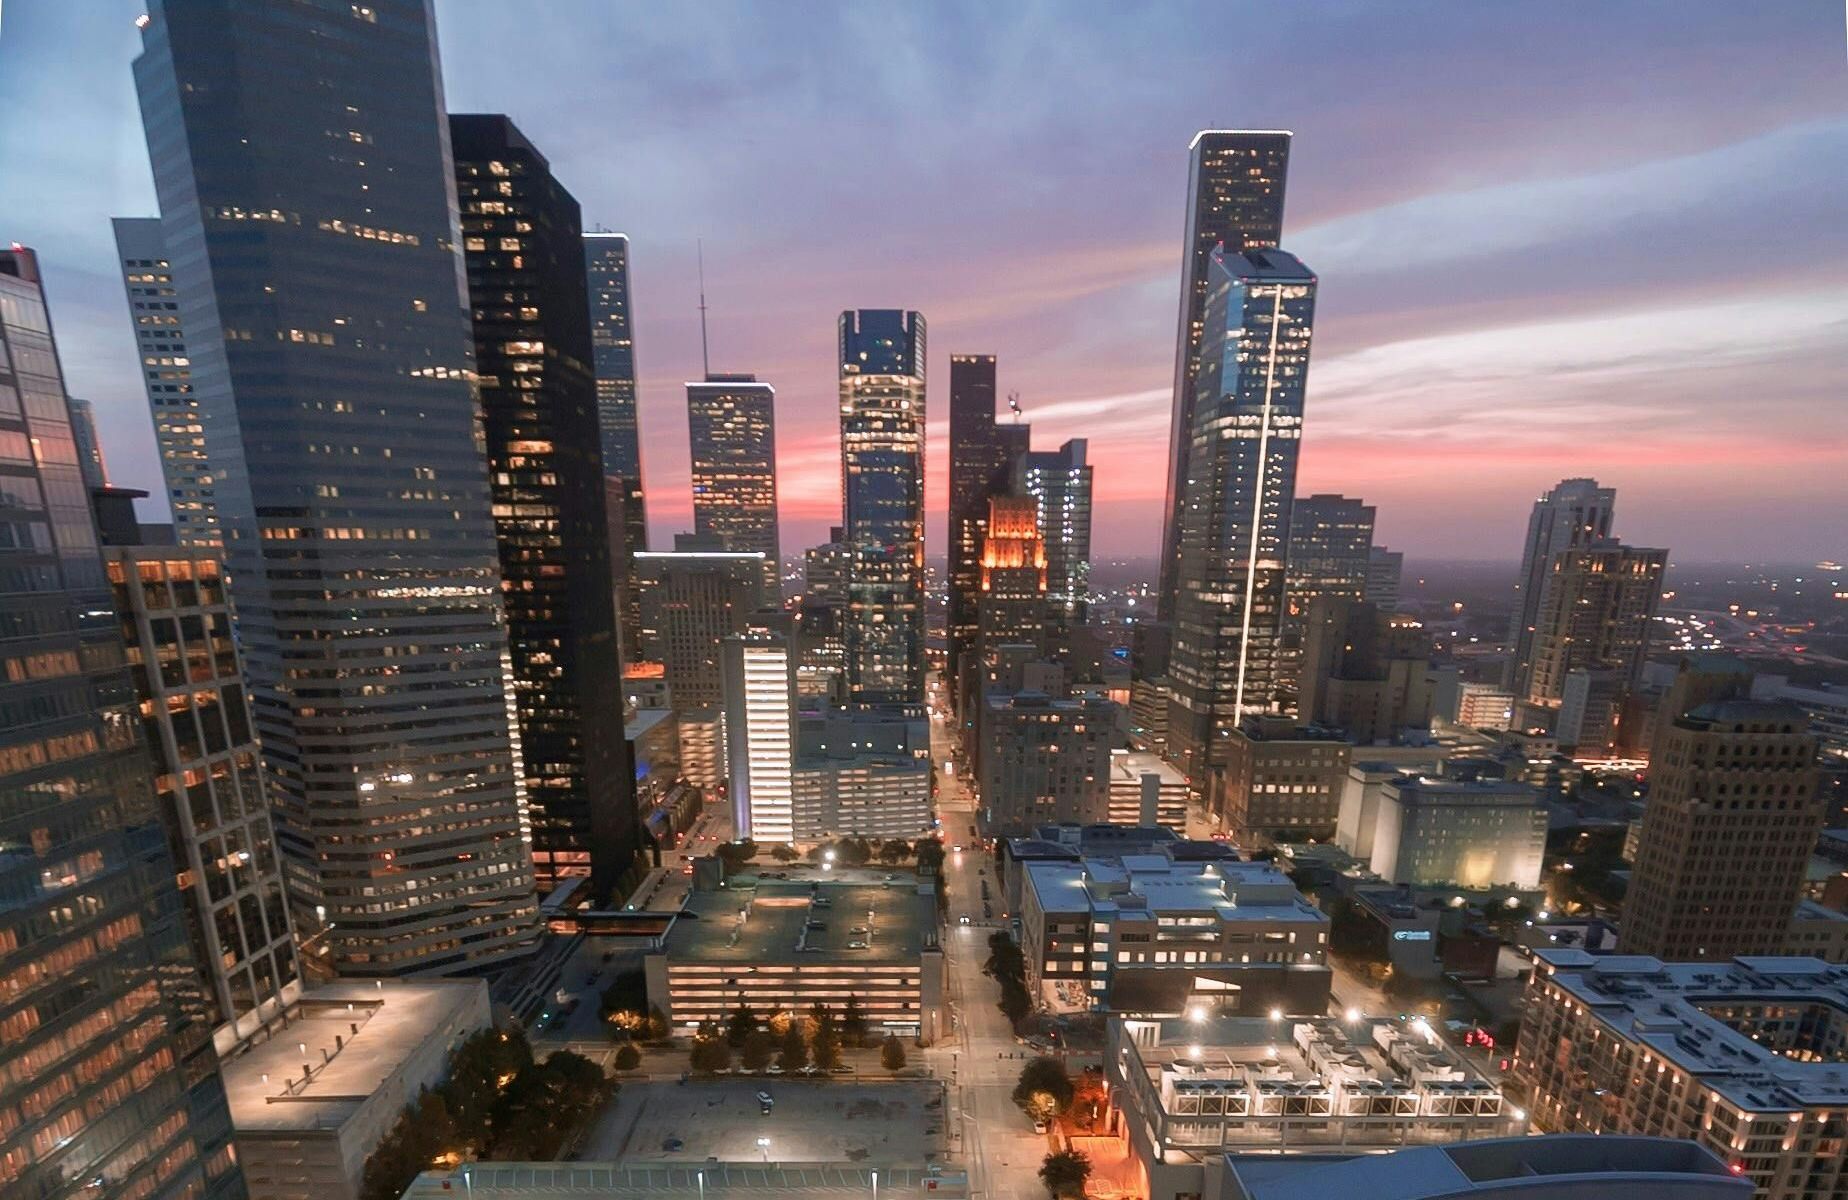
[965, 919]
[840, 1069]
[957, 847]
[817, 924]
[856, 945]
[1039, 1127]
[765, 1098]
[857, 929]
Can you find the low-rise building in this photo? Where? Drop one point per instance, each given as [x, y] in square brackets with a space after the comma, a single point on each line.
[1146, 790]
[1472, 834]
[1484, 706]
[312, 1101]
[862, 773]
[1281, 781]
[1144, 933]
[1045, 759]
[1186, 1090]
[1745, 1058]
[782, 946]
[1818, 931]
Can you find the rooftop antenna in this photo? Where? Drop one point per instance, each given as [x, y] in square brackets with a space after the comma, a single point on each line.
[705, 359]
[1013, 405]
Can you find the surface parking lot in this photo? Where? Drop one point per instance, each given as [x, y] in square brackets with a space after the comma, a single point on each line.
[809, 1122]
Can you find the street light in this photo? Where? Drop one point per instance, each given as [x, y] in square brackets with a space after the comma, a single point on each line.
[763, 1146]
[701, 1177]
[875, 1185]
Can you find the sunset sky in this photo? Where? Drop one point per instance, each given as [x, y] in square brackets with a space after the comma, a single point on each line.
[1552, 240]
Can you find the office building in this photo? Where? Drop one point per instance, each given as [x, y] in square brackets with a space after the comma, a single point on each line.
[1818, 931]
[166, 377]
[882, 479]
[787, 945]
[1471, 834]
[731, 425]
[1189, 1090]
[1044, 759]
[1742, 1057]
[1145, 790]
[606, 264]
[1331, 547]
[760, 735]
[176, 627]
[1235, 187]
[108, 1081]
[522, 245]
[1364, 671]
[982, 453]
[1484, 706]
[1596, 613]
[821, 668]
[1558, 1167]
[312, 1104]
[1059, 481]
[1574, 513]
[89, 444]
[1728, 827]
[1235, 515]
[692, 598]
[1384, 568]
[1281, 781]
[320, 280]
[1011, 600]
[863, 773]
[1147, 934]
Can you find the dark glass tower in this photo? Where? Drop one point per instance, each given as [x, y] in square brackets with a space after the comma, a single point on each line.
[1059, 481]
[1235, 182]
[310, 226]
[731, 425]
[1247, 426]
[882, 479]
[981, 453]
[606, 262]
[108, 1082]
[523, 242]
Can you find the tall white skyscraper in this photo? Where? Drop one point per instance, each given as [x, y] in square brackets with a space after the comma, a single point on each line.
[760, 735]
[1575, 513]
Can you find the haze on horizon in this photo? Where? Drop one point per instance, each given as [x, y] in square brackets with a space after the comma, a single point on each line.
[1608, 246]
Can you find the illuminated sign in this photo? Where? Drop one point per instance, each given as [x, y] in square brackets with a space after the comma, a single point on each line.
[1411, 935]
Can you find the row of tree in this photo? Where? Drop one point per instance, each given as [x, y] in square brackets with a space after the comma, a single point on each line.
[1007, 966]
[497, 1103]
[788, 1042]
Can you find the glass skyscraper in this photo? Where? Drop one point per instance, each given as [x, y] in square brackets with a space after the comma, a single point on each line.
[1572, 514]
[981, 454]
[1235, 185]
[1247, 426]
[882, 479]
[523, 243]
[606, 262]
[108, 1082]
[310, 226]
[731, 426]
[1059, 481]
[166, 377]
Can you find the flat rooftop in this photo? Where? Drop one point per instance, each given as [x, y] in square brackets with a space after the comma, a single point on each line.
[768, 922]
[616, 1180]
[1671, 1008]
[1154, 884]
[394, 1022]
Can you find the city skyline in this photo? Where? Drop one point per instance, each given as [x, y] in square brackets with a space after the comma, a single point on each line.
[1466, 342]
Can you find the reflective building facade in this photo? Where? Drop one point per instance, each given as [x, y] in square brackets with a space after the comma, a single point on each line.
[522, 241]
[1235, 185]
[982, 452]
[166, 377]
[731, 425]
[606, 263]
[108, 1082]
[1059, 481]
[1574, 513]
[882, 478]
[1246, 436]
[311, 230]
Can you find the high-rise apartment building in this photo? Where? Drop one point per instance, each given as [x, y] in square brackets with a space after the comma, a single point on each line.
[1331, 543]
[759, 672]
[1574, 513]
[1281, 781]
[1728, 828]
[166, 377]
[108, 1082]
[731, 424]
[208, 781]
[1045, 759]
[1235, 515]
[606, 264]
[863, 773]
[1059, 481]
[882, 479]
[320, 283]
[522, 244]
[981, 454]
[1597, 610]
[1364, 672]
[1235, 187]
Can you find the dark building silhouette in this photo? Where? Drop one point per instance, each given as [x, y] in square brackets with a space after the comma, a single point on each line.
[982, 453]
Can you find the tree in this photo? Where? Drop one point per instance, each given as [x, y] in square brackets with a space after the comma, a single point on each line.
[794, 1053]
[784, 853]
[1044, 1090]
[739, 1025]
[544, 1104]
[930, 856]
[422, 1133]
[853, 1022]
[893, 851]
[628, 1058]
[1015, 1004]
[656, 1030]
[479, 1070]
[855, 852]
[892, 1054]
[710, 1051]
[827, 1048]
[1065, 1172]
[758, 1047]
[737, 855]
